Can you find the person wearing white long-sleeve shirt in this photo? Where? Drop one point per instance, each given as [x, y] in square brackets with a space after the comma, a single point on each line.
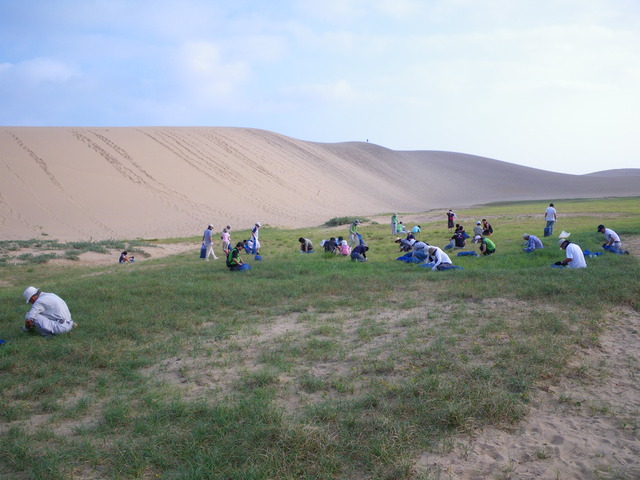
[439, 258]
[49, 314]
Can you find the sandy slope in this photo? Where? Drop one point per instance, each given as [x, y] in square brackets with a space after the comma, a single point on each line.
[159, 182]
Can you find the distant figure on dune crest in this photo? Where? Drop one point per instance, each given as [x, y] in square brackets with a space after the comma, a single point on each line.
[49, 314]
[574, 257]
[394, 223]
[550, 215]
[207, 239]
[533, 243]
[125, 258]
[450, 218]
[306, 246]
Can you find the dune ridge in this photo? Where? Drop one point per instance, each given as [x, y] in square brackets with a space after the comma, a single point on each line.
[80, 183]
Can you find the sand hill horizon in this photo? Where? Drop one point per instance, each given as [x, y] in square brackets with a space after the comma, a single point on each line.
[81, 183]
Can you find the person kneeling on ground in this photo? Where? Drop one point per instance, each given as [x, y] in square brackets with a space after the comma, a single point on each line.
[487, 247]
[533, 243]
[439, 259]
[613, 240]
[574, 258]
[234, 262]
[359, 253]
[49, 314]
[331, 246]
[305, 245]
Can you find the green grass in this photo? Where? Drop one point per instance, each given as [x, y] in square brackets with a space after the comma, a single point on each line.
[304, 366]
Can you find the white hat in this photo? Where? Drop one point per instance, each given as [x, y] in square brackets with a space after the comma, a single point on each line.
[564, 235]
[258, 224]
[478, 222]
[29, 292]
[210, 226]
[525, 236]
[562, 240]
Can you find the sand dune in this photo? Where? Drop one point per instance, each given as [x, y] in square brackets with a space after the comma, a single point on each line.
[159, 182]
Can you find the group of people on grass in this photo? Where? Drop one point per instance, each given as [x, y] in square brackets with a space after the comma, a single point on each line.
[232, 254]
[49, 314]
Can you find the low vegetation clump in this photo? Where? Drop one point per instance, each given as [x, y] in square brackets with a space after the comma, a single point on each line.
[339, 221]
[44, 250]
[306, 366]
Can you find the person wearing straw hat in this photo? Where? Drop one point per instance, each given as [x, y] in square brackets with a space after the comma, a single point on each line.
[49, 314]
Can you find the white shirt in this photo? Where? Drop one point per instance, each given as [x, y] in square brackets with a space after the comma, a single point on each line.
[51, 306]
[550, 214]
[439, 257]
[610, 234]
[574, 252]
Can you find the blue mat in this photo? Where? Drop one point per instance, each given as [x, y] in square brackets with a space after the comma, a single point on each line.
[470, 254]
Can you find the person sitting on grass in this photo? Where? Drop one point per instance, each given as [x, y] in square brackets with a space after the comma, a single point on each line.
[124, 257]
[487, 247]
[574, 257]
[533, 243]
[234, 262]
[49, 314]
[439, 259]
[305, 245]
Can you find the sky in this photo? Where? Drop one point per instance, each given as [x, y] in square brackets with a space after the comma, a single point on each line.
[549, 84]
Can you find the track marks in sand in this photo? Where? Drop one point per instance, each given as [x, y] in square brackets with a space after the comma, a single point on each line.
[42, 164]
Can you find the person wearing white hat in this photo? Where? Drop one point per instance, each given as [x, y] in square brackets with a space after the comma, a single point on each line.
[49, 314]
[477, 230]
[255, 233]
[574, 258]
[207, 239]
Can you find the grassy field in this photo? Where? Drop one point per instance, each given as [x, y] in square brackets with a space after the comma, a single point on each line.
[304, 366]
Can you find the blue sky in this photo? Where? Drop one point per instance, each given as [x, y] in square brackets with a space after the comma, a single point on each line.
[551, 84]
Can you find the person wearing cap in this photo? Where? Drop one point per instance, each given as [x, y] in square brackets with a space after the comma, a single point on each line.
[533, 242]
[49, 314]
[439, 259]
[613, 240]
[359, 253]
[255, 233]
[207, 239]
[574, 258]
[550, 217]
[354, 236]
[477, 230]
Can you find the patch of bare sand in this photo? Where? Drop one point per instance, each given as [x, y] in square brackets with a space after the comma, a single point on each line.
[585, 427]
